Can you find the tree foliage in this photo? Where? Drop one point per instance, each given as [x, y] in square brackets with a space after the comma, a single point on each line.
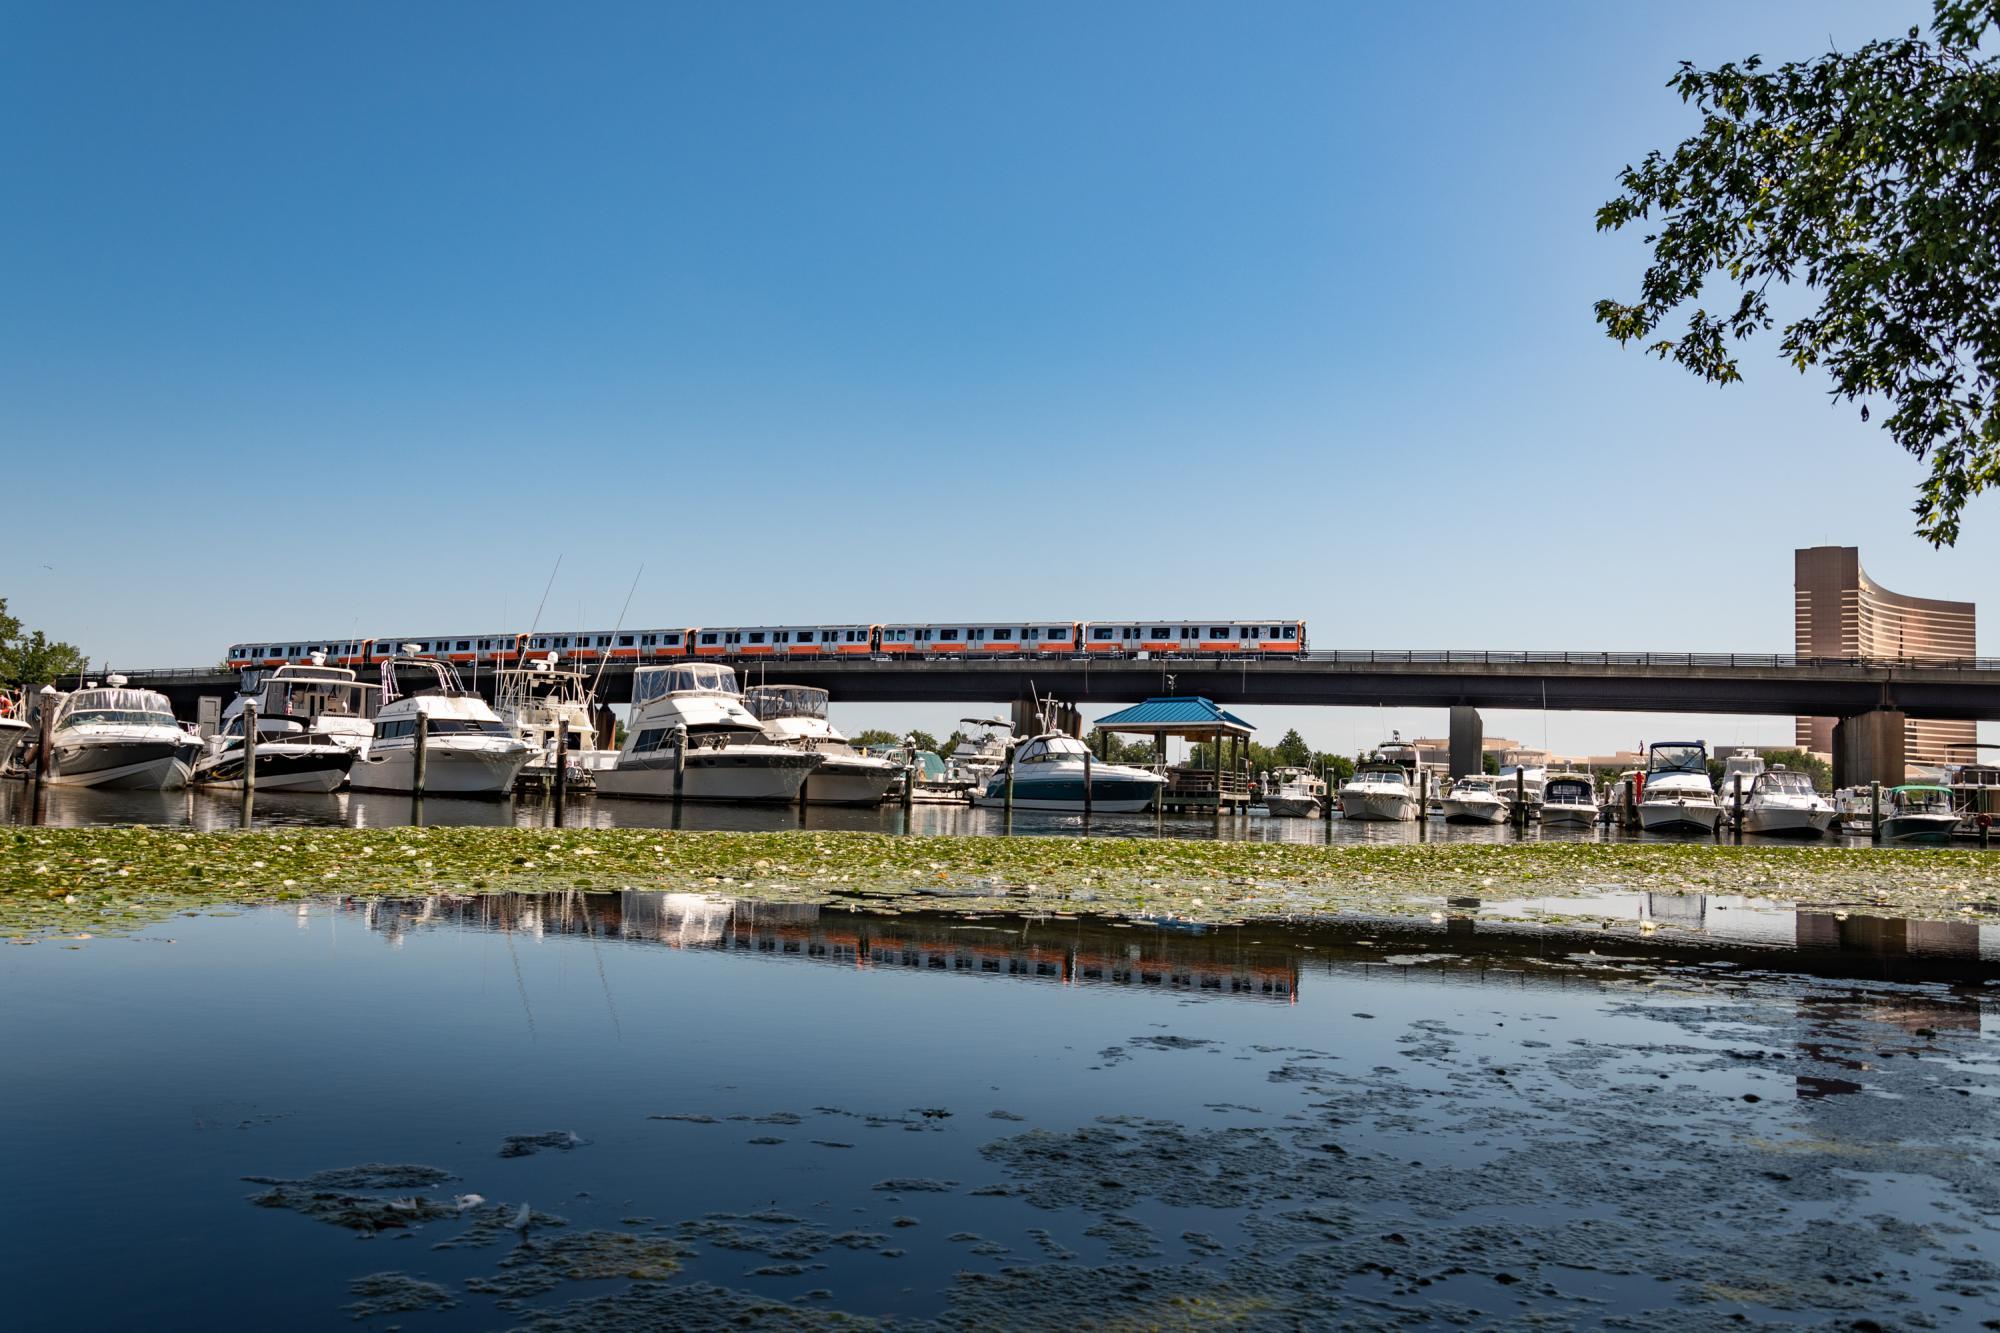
[1872, 179]
[32, 658]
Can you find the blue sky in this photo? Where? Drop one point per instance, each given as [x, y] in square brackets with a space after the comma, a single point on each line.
[332, 316]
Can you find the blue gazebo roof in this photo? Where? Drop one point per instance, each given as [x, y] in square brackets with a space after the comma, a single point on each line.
[1178, 715]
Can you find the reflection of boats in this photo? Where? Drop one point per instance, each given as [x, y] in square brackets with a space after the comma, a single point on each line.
[1782, 801]
[1380, 788]
[692, 717]
[1918, 812]
[1049, 774]
[111, 736]
[536, 700]
[1473, 800]
[468, 750]
[289, 757]
[1295, 793]
[1569, 799]
[1677, 796]
[795, 715]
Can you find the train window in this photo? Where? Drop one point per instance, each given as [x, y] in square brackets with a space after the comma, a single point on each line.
[1101, 632]
[1129, 632]
[975, 635]
[1189, 632]
[948, 635]
[1291, 631]
[465, 645]
[1218, 632]
[757, 636]
[670, 638]
[708, 638]
[1006, 633]
[624, 641]
[781, 636]
[805, 636]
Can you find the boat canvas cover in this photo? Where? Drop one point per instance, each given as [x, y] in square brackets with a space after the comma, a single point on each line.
[649, 683]
[117, 705]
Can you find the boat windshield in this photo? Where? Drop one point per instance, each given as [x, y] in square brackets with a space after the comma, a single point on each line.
[1049, 749]
[1375, 771]
[1785, 784]
[1481, 785]
[1678, 757]
[1567, 791]
[649, 683]
[118, 705]
[768, 703]
[1925, 799]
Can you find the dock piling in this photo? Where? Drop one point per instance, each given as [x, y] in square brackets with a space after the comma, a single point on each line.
[559, 781]
[1736, 802]
[680, 762]
[422, 757]
[1875, 811]
[1087, 758]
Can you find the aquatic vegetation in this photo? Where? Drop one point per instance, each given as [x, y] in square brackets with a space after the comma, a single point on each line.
[527, 1145]
[396, 1293]
[94, 881]
[367, 1198]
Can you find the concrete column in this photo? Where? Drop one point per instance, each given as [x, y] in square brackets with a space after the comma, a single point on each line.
[1468, 742]
[1869, 748]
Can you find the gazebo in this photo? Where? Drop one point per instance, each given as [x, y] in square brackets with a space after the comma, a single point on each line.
[1193, 718]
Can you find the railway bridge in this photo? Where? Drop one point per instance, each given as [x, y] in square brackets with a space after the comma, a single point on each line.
[1871, 697]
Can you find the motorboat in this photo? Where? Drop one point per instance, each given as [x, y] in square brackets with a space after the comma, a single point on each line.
[978, 758]
[1382, 788]
[1975, 790]
[689, 719]
[1918, 812]
[1294, 793]
[1473, 800]
[468, 750]
[1746, 764]
[1569, 800]
[1523, 781]
[536, 700]
[1781, 801]
[289, 757]
[113, 736]
[795, 715]
[1675, 795]
[327, 701]
[1051, 771]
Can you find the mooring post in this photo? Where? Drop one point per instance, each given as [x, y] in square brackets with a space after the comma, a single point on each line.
[911, 767]
[1087, 759]
[680, 760]
[560, 781]
[1736, 801]
[45, 727]
[1875, 811]
[1009, 798]
[1520, 811]
[249, 760]
[423, 754]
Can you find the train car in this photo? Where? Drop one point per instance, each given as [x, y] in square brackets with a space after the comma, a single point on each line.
[649, 645]
[248, 656]
[1043, 638]
[1193, 638]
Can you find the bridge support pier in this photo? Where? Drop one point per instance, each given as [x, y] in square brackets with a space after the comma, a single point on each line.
[1468, 742]
[1868, 747]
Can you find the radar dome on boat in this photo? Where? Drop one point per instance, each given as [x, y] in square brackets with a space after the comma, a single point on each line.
[115, 681]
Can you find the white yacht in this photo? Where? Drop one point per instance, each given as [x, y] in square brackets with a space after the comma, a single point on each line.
[1381, 787]
[1049, 775]
[1919, 812]
[536, 699]
[1474, 800]
[972, 762]
[1294, 793]
[290, 757]
[727, 757]
[1526, 778]
[327, 701]
[1569, 799]
[468, 751]
[795, 715]
[1746, 764]
[111, 736]
[1677, 796]
[1782, 801]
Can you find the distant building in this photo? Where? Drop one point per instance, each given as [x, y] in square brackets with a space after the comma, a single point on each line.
[1838, 611]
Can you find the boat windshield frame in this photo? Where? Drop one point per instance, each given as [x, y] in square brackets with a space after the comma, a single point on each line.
[117, 704]
[656, 682]
[1677, 753]
[1783, 782]
[1569, 790]
[772, 703]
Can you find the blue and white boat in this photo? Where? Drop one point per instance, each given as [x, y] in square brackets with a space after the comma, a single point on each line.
[1049, 775]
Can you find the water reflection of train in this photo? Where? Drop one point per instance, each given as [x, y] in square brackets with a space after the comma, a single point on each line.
[1040, 638]
[1068, 953]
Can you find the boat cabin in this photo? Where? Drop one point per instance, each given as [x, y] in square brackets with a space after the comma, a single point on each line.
[1920, 798]
[1569, 789]
[769, 703]
[1677, 757]
[1781, 781]
[649, 683]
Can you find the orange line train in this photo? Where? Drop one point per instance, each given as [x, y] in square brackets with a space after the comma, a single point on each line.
[1041, 638]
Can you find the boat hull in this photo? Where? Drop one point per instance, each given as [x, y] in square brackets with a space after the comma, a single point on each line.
[1293, 807]
[137, 765]
[1474, 812]
[1918, 828]
[280, 767]
[839, 781]
[1783, 823]
[734, 774]
[1380, 807]
[1568, 816]
[1110, 794]
[449, 770]
[1680, 817]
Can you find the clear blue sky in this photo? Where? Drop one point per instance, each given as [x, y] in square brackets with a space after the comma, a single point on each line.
[348, 315]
